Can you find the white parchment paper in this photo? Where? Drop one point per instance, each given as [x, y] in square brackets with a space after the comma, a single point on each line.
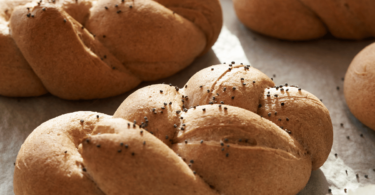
[316, 66]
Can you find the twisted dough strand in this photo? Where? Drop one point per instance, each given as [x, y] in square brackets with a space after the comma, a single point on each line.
[96, 49]
[238, 140]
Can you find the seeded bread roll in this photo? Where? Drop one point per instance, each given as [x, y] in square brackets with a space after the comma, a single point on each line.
[229, 149]
[308, 19]
[86, 77]
[359, 86]
[104, 48]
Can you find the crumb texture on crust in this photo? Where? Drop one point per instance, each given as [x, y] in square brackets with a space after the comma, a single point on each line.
[187, 141]
[96, 49]
[308, 19]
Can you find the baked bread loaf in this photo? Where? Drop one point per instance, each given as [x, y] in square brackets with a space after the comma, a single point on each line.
[359, 86]
[96, 49]
[238, 140]
[308, 19]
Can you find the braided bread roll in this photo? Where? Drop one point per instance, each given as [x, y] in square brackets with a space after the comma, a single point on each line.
[359, 86]
[96, 49]
[249, 144]
[308, 19]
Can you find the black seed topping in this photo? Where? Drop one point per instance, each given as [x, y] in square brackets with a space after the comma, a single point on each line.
[186, 141]
[166, 137]
[299, 89]
[175, 126]
[227, 155]
[121, 144]
[98, 145]
[232, 97]
[224, 89]
[287, 119]
[200, 86]
[361, 135]
[234, 88]
[144, 142]
[225, 108]
[269, 114]
[222, 102]
[336, 154]
[253, 81]
[282, 103]
[65, 152]
[126, 146]
[118, 151]
[204, 109]
[84, 169]
[130, 6]
[191, 161]
[208, 91]
[87, 141]
[181, 117]
[212, 68]
[133, 153]
[338, 88]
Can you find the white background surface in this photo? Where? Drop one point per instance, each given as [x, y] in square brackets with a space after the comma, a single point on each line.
[316, 66]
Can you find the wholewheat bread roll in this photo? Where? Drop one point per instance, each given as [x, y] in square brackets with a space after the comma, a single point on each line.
[308, 19]
[359, 86]
[212, 148]
[91, 49]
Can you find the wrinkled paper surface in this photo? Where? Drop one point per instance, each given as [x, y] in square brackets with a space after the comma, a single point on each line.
[316, 66]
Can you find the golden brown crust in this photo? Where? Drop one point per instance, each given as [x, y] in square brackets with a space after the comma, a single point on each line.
[308, 19]
[302, 115]
[119, 43]
[87, 77]
[141, 160]
[155, 108]
[13, 65]
[223, 83]
[42, 157]
[229, 149]
[359, 86]
[287, 19]
[172, 40]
